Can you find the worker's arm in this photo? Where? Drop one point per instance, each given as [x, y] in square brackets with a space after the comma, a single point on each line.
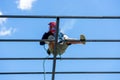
[45, 36]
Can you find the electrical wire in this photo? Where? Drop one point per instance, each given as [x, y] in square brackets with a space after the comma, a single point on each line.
[44, 63]
[44, 67]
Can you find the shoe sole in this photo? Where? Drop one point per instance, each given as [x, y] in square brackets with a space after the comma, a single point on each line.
[82, 39]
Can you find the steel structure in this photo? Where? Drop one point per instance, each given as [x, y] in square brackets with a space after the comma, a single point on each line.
[56, 39]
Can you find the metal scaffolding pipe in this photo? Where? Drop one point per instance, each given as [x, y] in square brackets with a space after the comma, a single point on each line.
[92, 58]
[38, 40]
[81, 72]
[46, 16]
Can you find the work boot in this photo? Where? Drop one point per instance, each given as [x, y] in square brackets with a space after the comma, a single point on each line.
[82, 39]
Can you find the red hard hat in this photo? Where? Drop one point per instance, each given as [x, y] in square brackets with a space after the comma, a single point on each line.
[52, 27]
[52, 24]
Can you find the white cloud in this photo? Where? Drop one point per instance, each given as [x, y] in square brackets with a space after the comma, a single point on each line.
[2, 20]
[25, 4]
[6, 32]
[3, 30]
[68, 25]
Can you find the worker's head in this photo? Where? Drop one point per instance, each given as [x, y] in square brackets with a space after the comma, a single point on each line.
[52, 27]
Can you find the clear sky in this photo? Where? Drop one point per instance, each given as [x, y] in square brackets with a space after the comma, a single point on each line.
[34, 28]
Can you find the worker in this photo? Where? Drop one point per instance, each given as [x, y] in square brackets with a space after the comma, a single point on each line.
[63, 40]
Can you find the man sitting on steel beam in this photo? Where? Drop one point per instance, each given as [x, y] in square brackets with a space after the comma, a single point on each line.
[63, 40]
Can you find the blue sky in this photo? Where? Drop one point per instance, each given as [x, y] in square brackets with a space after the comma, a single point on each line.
[13, 28]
